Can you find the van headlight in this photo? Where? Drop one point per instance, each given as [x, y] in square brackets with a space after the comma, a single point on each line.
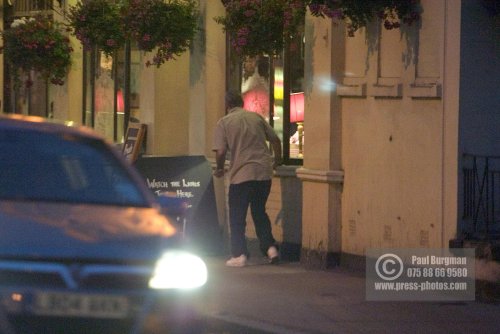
[179, 270]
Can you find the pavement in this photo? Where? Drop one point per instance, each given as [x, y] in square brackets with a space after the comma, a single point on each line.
[287, 298]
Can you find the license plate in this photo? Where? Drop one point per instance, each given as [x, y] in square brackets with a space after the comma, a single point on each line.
[80, 305]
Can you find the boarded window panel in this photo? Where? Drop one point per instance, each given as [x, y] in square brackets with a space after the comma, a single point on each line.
[391, 52]
[356, 55]
[431, 39]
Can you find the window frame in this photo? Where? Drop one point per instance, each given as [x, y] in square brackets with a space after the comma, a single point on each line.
[89, 81]
[234, 79]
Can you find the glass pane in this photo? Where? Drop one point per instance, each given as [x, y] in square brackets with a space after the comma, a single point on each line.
[106, 92]
[104, 96]
[38, 96]
[120, 95]
[135, 84]
[87, 118]
[279, 79]
[296, 77]
[124, 64]
[275, 82]
[255, 85]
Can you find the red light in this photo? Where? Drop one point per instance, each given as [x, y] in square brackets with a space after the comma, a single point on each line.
[257, 100]
[297, 107]
[119, 101]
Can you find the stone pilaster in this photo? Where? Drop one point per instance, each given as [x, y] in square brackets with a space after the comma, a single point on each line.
[322, 174]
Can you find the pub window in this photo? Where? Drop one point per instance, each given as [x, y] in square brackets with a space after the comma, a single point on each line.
[273, 87]
[111, 91]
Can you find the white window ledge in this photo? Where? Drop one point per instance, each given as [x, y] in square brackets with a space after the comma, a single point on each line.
[313, 175]
[386, 90]
[425, 91]
[351, 90]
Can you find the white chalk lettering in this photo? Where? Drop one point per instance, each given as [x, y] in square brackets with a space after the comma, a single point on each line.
[190, 183]
[184, 194]
[153, 184]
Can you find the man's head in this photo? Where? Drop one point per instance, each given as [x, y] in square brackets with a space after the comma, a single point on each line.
[233, 100]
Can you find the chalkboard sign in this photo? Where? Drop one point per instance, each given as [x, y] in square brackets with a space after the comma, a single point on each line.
[188, 178]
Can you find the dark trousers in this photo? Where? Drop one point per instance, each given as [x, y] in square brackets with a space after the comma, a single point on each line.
[242, 195]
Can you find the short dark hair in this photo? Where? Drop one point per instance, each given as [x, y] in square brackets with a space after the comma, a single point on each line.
[233, 99]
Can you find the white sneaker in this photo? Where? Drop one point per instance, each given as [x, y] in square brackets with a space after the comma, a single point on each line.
[239, 261]
[273, 255]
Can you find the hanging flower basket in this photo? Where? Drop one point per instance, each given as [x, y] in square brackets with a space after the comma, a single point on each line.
[257, 27]
[97, 24]
[37, 44]
[263, 26]
[166, 28]
[358, 13]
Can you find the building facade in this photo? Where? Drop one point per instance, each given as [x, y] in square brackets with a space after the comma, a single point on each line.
[392, 120]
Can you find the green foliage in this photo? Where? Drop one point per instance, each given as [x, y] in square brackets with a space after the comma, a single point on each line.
[169, 27]
[358, 13]
[264, 26]
[165, 27]
[38, 44]
[97, 23]
[258, 27]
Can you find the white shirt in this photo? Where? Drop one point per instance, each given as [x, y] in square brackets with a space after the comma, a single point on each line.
[245, 135]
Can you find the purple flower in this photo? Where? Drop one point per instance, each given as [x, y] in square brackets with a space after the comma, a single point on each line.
[297, 4]
[333, 13]
[242, 41]
[315, 8]
[249, 12]
[244, 31]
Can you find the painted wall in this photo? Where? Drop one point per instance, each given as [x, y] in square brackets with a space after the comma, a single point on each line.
[398, 136]
[66, 101]
[321, 174]
[396, 181]
[215, 72]
[210, 82]
[183, 99]
[165, 106]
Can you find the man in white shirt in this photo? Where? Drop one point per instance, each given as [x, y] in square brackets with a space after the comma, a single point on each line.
[244, 135]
